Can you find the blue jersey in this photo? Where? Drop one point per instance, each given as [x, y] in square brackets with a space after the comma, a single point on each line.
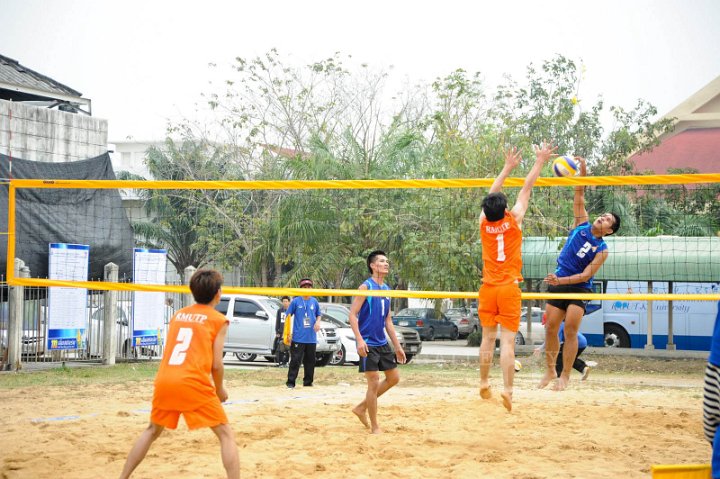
[582, 340]
[304, 312]
[579, 251]
[373, 312]
[715, 343]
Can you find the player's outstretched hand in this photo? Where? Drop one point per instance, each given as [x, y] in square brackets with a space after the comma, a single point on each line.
[544, 151]
[583, 165]
[512, 157]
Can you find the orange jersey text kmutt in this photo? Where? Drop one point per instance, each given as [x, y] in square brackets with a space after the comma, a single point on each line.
[501, 250]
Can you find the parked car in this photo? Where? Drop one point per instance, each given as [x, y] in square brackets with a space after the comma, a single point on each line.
[427, 322]
[537, 330]
[340, 315]
[465, 319]
[252, 329]
[537, 333]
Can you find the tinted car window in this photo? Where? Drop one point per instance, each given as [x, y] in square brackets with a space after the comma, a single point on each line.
[272, 304]
[245, 308]
[222, 306]
[338, 313]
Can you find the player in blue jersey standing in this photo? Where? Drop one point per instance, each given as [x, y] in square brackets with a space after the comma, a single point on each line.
[369, 319]
[582, 256]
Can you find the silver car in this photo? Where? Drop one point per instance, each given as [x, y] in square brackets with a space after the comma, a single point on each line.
[466, 320]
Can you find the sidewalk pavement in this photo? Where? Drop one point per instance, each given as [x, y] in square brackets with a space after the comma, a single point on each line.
[458, 351]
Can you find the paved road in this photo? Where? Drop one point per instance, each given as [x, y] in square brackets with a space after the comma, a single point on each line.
[458, 350]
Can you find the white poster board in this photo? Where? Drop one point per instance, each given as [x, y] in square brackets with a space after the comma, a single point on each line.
[148, 318]
[67, 307]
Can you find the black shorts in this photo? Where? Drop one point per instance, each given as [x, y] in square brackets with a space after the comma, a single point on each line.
[564, 303]
[379, 358]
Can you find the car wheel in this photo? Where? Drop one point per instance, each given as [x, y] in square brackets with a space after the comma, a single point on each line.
[616, 336]
[431, 334]
[408, 358]
[338, 359]
[322, 360]
[455, 334]
[246, 357]
[519, 340]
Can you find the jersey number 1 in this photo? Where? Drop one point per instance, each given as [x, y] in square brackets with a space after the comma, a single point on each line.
[500, 247]
[183, 343]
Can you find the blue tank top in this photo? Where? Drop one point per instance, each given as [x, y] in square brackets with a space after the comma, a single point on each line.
[579, 251]
[373, 312]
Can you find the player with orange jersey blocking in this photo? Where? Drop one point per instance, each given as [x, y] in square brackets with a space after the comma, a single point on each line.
[193, 353]
[499, 299]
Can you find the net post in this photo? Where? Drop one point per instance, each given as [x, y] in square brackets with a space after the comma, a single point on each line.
[16, 308]
[670, 342]
[110, 316]
[10, 273]
[649, 343]
[187, 299]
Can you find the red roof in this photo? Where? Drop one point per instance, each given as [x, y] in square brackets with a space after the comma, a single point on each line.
[698, 149]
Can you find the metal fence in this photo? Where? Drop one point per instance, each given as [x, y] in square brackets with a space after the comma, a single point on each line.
[34, 348]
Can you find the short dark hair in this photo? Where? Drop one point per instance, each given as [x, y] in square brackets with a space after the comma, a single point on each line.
[616, 225]
[205, 284]
[494, 206]
[371, 258]
[285, 297]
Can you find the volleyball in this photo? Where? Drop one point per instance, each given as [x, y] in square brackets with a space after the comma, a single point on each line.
[565, 166]
[518, 365]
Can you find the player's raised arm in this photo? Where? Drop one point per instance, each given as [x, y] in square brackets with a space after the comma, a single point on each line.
[581, 214]
[512, 159]
[543, 152]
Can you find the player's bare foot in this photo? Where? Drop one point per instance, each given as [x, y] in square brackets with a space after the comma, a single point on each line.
[547, 378]
[360, 412]
[485, 392]
[507, 400]
[562, 383]
[376, 430]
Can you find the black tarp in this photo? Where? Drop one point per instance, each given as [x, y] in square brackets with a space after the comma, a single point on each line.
[81, 216]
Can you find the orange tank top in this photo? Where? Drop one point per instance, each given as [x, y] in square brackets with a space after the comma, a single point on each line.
[501, 250]
[183, 380]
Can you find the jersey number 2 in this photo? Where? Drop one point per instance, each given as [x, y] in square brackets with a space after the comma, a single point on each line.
[501, 247]
[183, 343]
[583, 251]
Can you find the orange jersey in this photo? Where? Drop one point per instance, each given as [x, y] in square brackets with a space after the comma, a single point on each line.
[501, 250]
[183, 381]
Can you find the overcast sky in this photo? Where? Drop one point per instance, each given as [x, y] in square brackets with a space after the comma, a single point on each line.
[144, 62]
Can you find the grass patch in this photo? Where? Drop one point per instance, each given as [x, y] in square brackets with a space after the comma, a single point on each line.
[64, 376]
[415, 374]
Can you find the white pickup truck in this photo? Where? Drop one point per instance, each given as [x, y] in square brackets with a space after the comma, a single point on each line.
[252, 329]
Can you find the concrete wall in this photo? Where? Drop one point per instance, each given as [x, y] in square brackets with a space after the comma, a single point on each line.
[41, 134]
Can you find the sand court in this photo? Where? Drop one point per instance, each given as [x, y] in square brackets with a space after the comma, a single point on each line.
[606, 427]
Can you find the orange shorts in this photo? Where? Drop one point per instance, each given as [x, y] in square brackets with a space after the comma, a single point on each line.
[210, 414]
[500, 305]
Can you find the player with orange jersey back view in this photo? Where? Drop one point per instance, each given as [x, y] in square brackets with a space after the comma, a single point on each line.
[499, 299]
[183, 386]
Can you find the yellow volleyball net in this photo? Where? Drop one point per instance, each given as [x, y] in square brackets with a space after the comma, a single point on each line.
[265, 235]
